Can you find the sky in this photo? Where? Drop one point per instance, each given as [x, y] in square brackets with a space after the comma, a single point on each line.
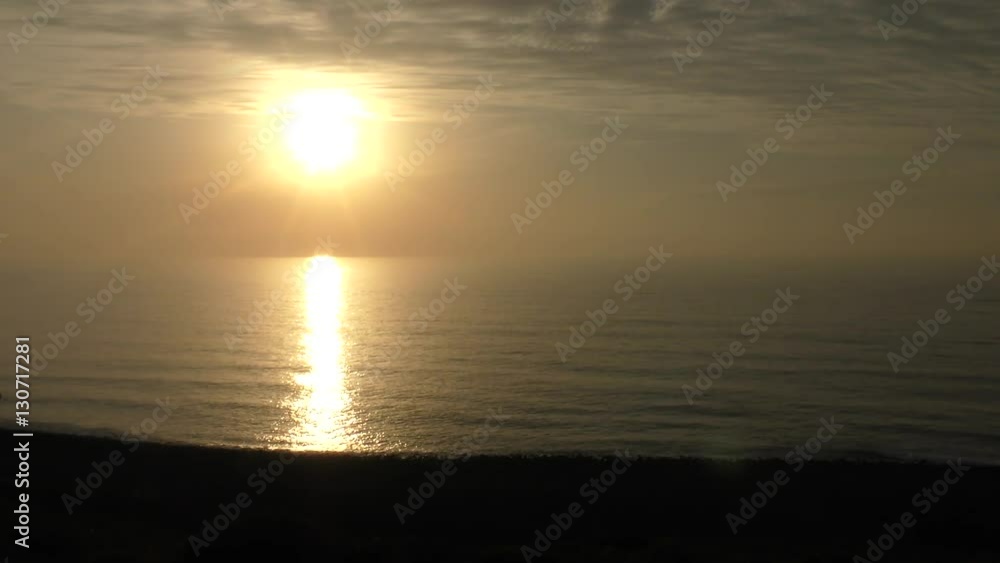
[501, 96]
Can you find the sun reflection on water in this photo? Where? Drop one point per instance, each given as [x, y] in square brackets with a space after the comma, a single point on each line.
[322, 410]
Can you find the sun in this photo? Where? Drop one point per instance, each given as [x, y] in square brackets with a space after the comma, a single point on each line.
[323, 132]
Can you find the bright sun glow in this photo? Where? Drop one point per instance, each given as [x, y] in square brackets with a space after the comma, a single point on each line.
[323, 134]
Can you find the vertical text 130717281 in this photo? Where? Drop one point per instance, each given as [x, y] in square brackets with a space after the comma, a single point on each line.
[22, 349]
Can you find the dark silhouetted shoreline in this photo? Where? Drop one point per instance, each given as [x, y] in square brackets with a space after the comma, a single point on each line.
[339, 507]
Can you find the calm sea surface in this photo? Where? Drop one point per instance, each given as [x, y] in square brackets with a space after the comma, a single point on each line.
[368, 355]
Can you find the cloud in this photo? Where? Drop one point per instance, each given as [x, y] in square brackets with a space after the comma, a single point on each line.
[606, 54]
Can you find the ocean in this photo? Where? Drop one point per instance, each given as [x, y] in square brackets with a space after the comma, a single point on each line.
[439, 356]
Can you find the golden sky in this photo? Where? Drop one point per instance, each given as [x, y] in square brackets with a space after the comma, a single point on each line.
[308, 113]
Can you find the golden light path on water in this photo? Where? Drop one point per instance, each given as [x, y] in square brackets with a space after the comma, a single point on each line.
[322, 412]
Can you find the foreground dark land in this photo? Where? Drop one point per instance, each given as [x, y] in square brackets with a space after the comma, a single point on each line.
[341, 508]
